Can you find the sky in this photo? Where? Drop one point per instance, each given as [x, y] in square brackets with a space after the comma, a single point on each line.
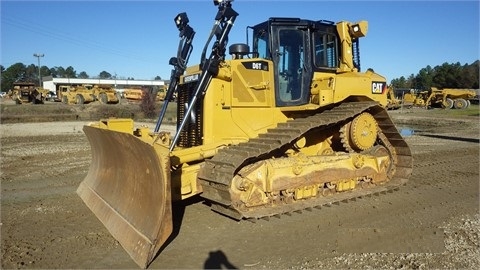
[137, 38]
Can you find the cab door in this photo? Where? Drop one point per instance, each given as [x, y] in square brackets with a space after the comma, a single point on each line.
[293, 73]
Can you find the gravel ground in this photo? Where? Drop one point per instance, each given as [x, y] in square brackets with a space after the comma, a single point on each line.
[44, 224]
[461, 244]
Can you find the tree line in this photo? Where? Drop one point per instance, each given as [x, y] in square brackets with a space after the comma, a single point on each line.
[20, 72]
[447, 75]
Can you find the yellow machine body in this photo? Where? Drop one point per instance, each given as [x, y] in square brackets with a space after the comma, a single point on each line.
[450, 98]
[104, 93]
[251, 144]
[446, 98]
[133, 93]
[393, 102]
[82, 94]
[136, 94]
[75, 94]
[24, 92]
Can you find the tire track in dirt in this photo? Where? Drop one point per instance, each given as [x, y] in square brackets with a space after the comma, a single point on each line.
[46, 225]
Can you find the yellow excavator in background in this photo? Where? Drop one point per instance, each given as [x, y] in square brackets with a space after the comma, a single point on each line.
[287, 125]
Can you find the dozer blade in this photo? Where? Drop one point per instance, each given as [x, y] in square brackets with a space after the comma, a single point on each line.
[128, 188]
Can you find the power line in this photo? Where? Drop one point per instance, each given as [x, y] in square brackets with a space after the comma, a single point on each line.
[68, 38]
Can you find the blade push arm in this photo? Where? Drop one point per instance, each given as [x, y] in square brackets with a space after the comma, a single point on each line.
[221, 28]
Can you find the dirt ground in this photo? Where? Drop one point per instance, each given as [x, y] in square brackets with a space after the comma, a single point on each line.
[432, 222]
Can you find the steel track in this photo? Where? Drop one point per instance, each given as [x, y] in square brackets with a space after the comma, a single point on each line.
[218, 172]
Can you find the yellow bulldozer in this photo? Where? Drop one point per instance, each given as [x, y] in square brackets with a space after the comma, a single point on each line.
[290, 124]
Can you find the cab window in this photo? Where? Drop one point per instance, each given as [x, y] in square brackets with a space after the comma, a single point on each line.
[260, 44]
[325, 53]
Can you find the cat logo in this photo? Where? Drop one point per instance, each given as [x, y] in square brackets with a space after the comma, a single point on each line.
[378, 87]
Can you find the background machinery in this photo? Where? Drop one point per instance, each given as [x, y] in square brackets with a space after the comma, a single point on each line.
[137, 93]
[133, 93]
[104, 93]
[75, 94]
[290, 124]
[25, 92]
[450, 98]
[82, 94]
[446, 98]
[393, 103]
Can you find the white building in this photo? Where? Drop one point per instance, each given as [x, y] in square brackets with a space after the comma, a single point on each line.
[51, 83]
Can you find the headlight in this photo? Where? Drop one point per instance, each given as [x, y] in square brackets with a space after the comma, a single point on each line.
[181, 20]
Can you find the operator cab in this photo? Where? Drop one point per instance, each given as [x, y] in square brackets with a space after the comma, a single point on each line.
[298, 48]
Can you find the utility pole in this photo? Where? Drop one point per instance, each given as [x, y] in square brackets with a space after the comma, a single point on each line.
[38, 55]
